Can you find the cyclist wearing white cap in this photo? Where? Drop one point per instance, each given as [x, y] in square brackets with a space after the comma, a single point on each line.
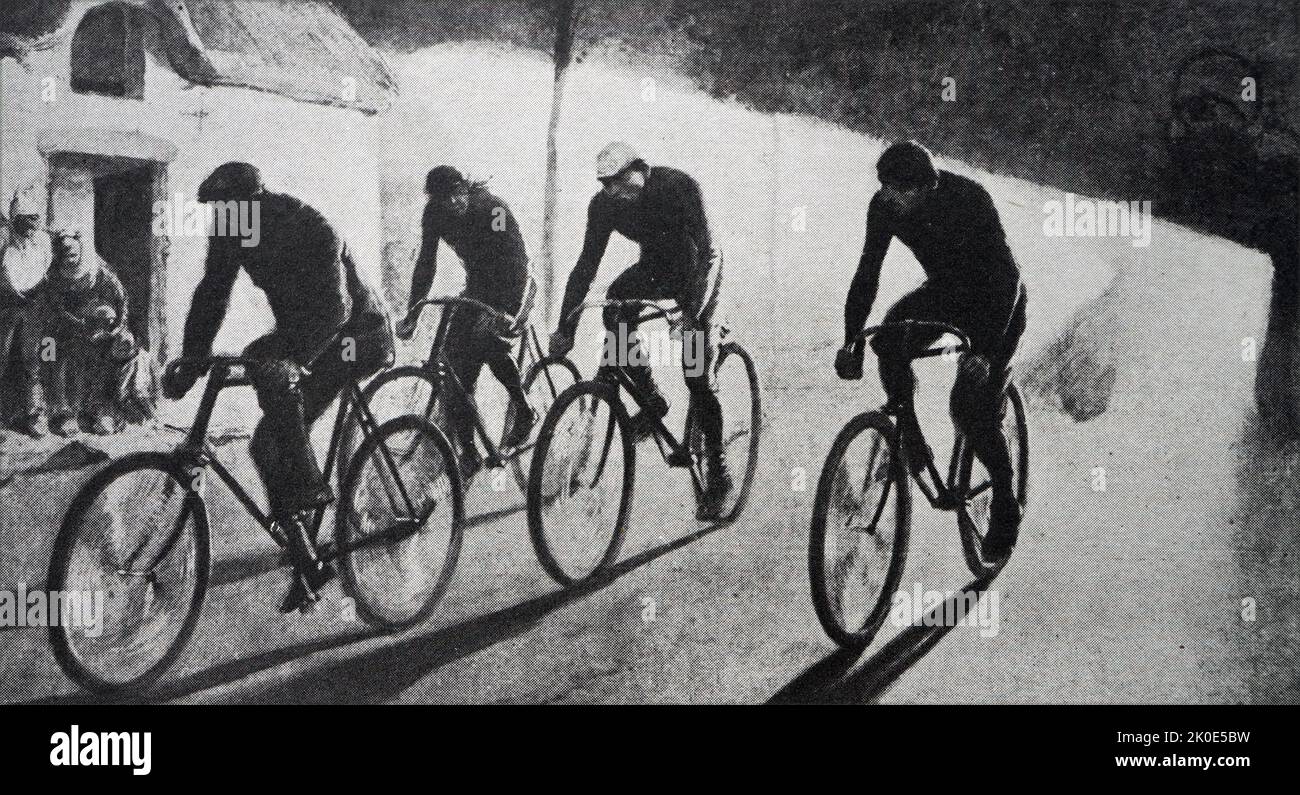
[662, 210]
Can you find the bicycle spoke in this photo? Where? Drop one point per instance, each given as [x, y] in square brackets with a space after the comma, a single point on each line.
[149, 596]
[856, 536]
[398, 533]
[577, 502]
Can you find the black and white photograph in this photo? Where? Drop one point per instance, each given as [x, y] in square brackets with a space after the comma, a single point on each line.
[651, 352]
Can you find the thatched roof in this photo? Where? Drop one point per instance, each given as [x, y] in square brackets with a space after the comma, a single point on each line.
[301, 49]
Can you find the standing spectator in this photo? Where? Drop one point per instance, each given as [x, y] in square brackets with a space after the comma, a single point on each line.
[85, 312]
[24, 261]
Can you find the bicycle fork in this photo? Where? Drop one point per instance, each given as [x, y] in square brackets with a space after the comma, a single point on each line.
[127, 568]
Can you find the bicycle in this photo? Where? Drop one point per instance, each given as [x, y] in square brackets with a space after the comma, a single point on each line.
[138, 532]
[848, 543]
[564, 489]
[425, 388]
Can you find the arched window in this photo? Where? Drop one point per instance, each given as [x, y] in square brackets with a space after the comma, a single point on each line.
[108, 53]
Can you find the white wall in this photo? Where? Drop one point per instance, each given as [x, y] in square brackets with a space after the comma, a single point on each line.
[325, 156]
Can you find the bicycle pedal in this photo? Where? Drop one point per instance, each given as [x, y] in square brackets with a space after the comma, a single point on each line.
[309, 604]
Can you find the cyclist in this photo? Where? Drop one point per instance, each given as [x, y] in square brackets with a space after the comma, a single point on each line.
[661, 209]
[482, 231]
[329, 329]
[972, 282]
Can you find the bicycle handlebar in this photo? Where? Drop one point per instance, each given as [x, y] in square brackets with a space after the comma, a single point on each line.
[656, 309]
[460, 300]
[908, 325]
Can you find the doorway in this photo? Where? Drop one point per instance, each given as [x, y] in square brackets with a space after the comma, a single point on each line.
[111, 200]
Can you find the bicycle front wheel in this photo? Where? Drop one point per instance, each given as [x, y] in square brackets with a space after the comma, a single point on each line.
[544, 382]
[399, 523]
[130, 570]
[580, 483]
[742, 423]
[975, 487]
[858, 543]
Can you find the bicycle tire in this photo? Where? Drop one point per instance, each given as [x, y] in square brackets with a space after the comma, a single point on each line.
[367, 606]
[65, 543]
[823, 601]
[755, 431]
[536, 371]
[971, 538]
[537, 531]
[349, 441]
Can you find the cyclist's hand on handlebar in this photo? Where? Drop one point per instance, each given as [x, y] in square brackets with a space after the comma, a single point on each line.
[406, 326]
[178, 381]
[561, 343]
[848, 362]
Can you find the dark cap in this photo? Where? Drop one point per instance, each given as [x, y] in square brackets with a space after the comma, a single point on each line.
[231, 181]
[442, 180]
[908, 165]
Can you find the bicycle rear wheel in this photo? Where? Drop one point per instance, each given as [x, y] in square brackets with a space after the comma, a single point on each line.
[134, 544]
[742, 423]
[399, 523]
[976, 488]
[401, 391]
[858, 543]
[580, 483]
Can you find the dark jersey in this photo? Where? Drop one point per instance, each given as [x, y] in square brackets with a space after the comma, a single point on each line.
[302, 266]
[669, 224]
[488, 242]
[957, 238]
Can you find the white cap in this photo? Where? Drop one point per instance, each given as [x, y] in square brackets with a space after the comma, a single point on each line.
[27, 201]
[614, 159]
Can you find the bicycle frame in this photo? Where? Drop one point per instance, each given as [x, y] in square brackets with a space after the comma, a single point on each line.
[442, 373]
[940, 493]
[675, 452]
[196, 451]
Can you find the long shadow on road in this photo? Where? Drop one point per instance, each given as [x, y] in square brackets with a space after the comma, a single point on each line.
[231, 570]
[218, 674]
[383, 673]
[831, 680]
